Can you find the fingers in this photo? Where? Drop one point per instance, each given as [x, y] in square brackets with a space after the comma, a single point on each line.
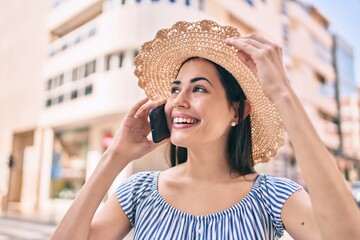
[260, 39]
[144, 109]
[245, 58]
[266, 42]
[253, 45]
[248, 46]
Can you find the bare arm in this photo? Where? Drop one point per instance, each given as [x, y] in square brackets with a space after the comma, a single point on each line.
[298, 217]
[111, 222]
[77, 221]
[334, 208]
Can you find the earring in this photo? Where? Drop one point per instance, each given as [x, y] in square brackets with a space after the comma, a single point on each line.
[233, 124]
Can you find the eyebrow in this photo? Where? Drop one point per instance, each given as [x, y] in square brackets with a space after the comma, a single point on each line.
[178, 82]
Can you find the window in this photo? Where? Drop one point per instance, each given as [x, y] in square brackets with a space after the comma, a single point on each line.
[90, 68]
[107, 62]
[61, 99]
[250, 2]
[48, 84]
[48, 102]
[327, 117]
[74, 94]
[77, 39]
[285, 32]
[321, 79]
[92, 31]
[322, 50]
[68, 166]
[88, 89]
[64, 46]
[326, 88]
[61, 79]
[121, 58]
[74, 74]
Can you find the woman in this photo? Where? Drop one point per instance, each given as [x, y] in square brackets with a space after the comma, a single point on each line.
[221, 131]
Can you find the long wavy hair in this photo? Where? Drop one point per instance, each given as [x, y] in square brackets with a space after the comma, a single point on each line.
[239, 141]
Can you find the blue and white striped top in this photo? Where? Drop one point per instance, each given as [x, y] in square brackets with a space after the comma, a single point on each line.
[256, 216]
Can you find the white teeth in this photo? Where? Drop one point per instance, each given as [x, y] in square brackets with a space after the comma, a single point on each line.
[184, 120]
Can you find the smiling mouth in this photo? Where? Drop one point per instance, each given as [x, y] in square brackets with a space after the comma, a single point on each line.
[179, 120]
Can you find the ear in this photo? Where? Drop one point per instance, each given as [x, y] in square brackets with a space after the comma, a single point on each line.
[235, 108]
[247, 109]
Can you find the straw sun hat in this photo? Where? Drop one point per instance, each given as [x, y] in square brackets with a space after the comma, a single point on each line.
[159, 61]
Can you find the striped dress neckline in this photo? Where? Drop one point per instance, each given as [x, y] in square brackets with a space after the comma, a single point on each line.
[233, 208]
[257, 216]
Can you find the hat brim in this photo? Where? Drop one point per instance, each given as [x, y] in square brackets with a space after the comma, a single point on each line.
[159, 61]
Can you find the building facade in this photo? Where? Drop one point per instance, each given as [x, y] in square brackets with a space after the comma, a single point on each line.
[348, 97]
[23, 49]
[85, 84]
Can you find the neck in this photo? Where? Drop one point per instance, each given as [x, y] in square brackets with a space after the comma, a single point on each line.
[208, 163]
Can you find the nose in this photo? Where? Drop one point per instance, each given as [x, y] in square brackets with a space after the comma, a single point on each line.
[181, 100]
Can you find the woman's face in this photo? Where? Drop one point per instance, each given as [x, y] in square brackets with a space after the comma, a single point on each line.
[198, 112]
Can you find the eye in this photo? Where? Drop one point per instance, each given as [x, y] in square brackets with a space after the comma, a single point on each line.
[174, 90]
[199, 89]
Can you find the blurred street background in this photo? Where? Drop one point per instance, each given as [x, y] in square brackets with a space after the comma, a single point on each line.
[21, 229]
[66, 81]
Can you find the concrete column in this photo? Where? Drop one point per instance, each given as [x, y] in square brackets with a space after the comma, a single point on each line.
[31, 167]
[45, 168]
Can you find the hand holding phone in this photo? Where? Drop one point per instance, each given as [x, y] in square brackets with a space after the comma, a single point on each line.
[158, 124]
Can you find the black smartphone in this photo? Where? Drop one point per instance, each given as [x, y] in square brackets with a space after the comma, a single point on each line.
[158, 124]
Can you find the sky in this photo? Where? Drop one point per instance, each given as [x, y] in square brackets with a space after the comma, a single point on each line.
[344, 17]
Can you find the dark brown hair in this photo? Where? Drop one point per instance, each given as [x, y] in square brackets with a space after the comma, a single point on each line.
[239, 141]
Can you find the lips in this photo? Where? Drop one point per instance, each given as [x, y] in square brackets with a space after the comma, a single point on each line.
[181, 120]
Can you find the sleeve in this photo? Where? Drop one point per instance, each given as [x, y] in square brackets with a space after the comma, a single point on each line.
[132, 191]
[276, 191]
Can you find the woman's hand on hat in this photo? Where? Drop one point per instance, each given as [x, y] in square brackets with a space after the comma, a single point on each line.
[264, 58]
[131, 140]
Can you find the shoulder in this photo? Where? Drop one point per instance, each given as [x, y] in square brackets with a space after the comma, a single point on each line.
[143, 177]
[278, 184]
[134, 190]
[298, 217]
[137, 186]
[139, 180]
[273, 192]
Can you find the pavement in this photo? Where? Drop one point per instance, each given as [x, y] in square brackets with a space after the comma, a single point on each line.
[19, 229]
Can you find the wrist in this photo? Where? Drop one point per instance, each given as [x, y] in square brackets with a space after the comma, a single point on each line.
[115, 157]
[283, 98]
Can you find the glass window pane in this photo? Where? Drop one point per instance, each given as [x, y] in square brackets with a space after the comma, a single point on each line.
[88, 90]
[68, 163]
[74, 94]
[75, 74]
